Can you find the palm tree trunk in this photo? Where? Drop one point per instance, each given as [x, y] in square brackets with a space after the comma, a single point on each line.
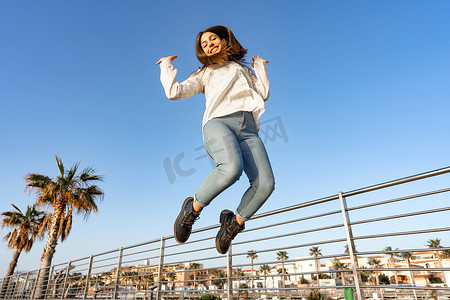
[10, 271]
[282, 273]
[317, 269]
[413, 281]
[49, 250]
[343, 278]
[392, 261]
[252, 271]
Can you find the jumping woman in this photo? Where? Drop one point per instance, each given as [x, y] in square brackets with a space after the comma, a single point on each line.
[234, 103]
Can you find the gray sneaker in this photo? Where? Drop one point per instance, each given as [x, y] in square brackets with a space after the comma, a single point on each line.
[183, 224]
[228, 230]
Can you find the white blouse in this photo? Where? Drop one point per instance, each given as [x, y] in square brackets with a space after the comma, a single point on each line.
[228, 88]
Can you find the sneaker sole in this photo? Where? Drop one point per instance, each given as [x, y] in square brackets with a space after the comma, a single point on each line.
[179, 216]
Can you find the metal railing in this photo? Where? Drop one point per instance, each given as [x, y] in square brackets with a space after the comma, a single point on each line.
[335, 246]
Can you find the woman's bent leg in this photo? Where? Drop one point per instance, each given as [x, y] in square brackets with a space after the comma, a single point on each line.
[259, 171]
[222, 145]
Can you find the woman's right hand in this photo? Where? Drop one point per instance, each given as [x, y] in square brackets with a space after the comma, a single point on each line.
[172, 57]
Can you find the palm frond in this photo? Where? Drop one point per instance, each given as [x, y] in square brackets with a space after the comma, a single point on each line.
[88, 174]
[60, 166]
[36, 181]
[7, 236]
[47, 200]
[16, 208]
[72, 172]
[66, 226]
[45, 226]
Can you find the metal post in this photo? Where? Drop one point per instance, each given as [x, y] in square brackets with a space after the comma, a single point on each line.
[8, 286]
[229, 274]
[86, 287]
[63, 294]
[351, 245]
[16, 285]
[119, 266]
[49, 279]
[160, 268]
[22, 292]
[34, 285]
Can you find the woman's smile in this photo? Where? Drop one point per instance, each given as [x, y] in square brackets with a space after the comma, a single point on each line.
[211, 43]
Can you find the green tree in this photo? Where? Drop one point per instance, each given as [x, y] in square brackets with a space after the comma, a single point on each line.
[67, 193]
[208, 297]
[219, 277]
[265, 269]
[338, 265]
[392, 261]
[436, 244]
[172, 277]
[365, 274]
[252, 255]
[445, 253]
[348, 251]
[408, 256]
[239, 274]
[384, 279]
[26, 228]
[316, 295]
[243, 289]
[315, 251]
[282, 255]
[375, 263]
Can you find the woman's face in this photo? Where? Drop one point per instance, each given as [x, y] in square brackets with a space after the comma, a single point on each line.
[211, 43]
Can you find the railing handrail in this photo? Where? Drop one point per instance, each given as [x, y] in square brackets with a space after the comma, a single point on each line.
[294, 207]
[159, 245]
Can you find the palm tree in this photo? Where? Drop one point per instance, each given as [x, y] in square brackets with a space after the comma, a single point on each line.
[194, 266]
[338, 265]
[284, 272]
[172, 277]
[445, 253]
[392, 261]
[436, 244]
[219, 276]
[408, 256]
[375, 263]
[265, 269]
[239, 274]
[315, 251]
[348, 251]
[282, 255]
[26, 228]
[252, 255]
[66, 193]
[365, 274]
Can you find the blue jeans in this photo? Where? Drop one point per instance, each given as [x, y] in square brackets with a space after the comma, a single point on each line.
[233, 142]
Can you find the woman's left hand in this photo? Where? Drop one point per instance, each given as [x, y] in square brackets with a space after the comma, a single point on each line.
[259, 57]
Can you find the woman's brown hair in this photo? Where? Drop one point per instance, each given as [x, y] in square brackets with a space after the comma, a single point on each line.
[231, 48]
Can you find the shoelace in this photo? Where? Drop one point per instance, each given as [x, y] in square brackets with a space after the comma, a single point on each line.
[232, 230]
[189, 219]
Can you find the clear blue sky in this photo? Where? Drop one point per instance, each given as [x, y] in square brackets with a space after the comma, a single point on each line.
[361, 88]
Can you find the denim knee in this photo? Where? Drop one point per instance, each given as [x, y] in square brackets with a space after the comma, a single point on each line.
[231, 172]
[265, 186]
